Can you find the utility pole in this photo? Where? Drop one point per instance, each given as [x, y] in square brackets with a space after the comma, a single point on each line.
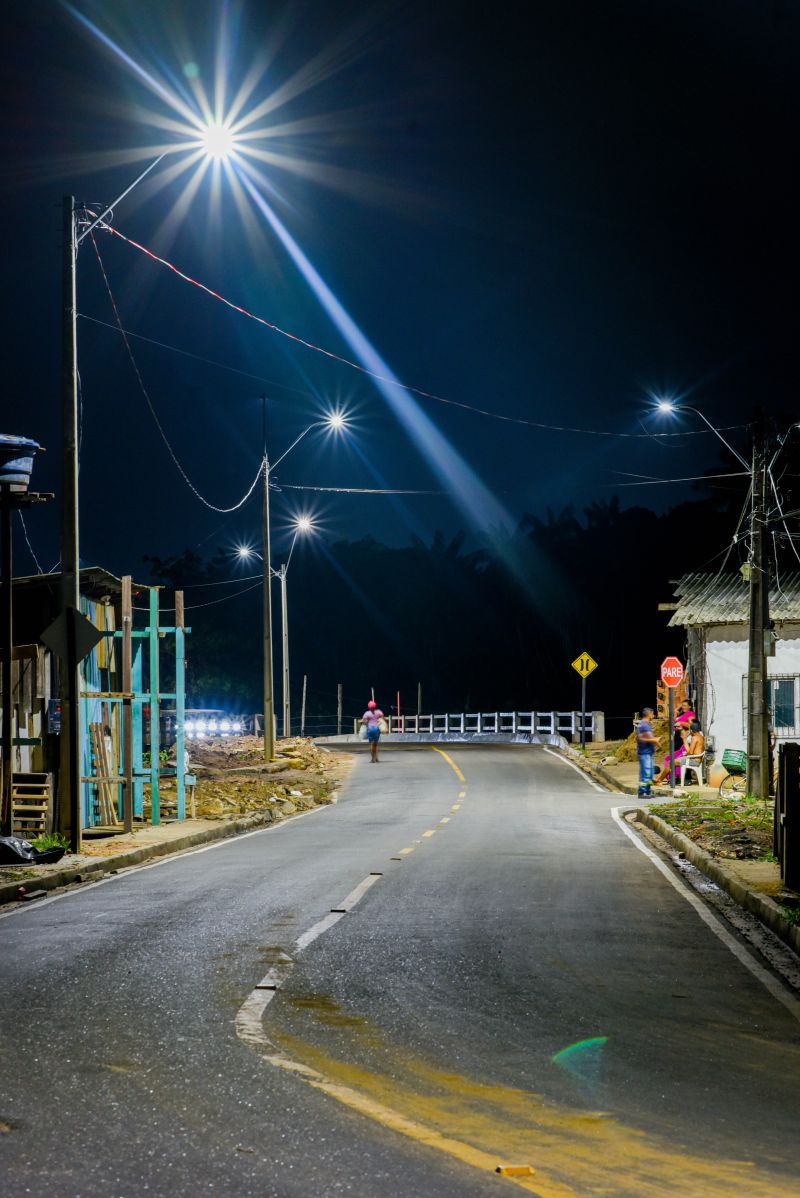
[419, 700]
[757, 683]
[287, 719]
[269, 705]
[339, 709]
[69, 690]
[303, 707]
[7, 639]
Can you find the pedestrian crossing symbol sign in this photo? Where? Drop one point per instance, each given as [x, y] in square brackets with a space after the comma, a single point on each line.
[584, 664]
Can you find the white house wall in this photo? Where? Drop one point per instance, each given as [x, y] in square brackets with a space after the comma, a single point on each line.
[726, 664]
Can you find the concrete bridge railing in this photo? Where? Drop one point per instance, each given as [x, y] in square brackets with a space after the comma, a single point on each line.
[498, 723]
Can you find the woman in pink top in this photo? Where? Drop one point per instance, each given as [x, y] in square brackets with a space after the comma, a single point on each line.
[372, 718]
[683, 724]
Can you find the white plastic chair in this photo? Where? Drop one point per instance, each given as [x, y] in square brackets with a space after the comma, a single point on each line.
[695, 764]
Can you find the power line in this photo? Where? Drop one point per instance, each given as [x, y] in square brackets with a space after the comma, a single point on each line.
[197, 357]
[153, 413]
[385, 378]
[27, 541]
[211, 602]
[646, 481]
[357, 490]
[780, 511]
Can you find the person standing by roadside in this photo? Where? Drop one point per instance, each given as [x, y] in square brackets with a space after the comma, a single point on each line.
[372, 719]
[646, 741]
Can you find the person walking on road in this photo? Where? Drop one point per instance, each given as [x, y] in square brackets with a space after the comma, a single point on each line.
[646, 741]
[372, 718]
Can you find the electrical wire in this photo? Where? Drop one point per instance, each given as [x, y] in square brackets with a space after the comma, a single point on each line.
[197, 357]
[211, 602]
[39, 569]
[780, 511]
[735, 537]
[225, 582]
[357, 490]
[385, 378]
[154, 414]
[650, 482]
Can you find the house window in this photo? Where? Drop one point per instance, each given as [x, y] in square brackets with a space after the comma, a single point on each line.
[783, 697]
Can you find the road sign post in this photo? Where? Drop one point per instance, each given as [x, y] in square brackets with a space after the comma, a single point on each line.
[584, 664]
[71, 637]
[671, 676]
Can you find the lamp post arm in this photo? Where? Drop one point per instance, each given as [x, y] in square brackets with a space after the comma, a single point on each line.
[112, 206]
[736, 454]
[291, 549]
[297, 440]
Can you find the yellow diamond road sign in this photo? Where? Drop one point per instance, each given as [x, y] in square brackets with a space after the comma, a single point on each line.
[584, 665]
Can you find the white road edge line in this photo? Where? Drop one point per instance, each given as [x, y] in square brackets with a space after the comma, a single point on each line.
[573, 766]
[770, 983]
[167, 859]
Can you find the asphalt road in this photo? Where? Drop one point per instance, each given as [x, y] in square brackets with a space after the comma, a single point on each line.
[512, 983]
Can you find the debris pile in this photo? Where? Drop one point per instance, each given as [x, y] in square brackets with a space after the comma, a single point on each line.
[234, 779]
[627, 750]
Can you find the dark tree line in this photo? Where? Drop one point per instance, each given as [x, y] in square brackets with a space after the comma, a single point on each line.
[493, 628]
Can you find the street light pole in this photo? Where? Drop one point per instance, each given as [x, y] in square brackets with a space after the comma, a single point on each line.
[758, 749]
[269, 706]
[287, 720]
[757, 681]
[70, 756]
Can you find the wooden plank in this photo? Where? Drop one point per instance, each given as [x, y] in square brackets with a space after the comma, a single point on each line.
[104, 792]
[155, 727]
[127, 704]
[41, 672]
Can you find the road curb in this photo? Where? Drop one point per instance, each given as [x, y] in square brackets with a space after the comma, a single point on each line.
[760, 905]
[596, 771]
[93, 871]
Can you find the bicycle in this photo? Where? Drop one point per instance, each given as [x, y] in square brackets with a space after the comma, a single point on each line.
[735, 781]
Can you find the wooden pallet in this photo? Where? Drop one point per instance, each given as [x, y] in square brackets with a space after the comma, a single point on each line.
[31, 798]
[106, 798]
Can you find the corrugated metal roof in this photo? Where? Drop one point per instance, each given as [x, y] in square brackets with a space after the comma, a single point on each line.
[725, 599]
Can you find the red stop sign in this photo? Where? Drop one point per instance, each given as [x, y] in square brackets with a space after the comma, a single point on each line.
[671, 671]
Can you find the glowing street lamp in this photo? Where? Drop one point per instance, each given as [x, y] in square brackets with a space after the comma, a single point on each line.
[217, 142]
[668, 406]
[303, 525]
[334, 421]
[758, 618]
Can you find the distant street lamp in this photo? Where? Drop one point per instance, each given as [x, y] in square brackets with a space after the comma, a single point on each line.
[758, 749]
[302, 526]
[334, 422]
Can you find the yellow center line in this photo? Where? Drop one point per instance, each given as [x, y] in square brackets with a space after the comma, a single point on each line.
[456, 807]
[404, 851]
[445, 819]
[450, 762]
[430, 832]
[462, 794]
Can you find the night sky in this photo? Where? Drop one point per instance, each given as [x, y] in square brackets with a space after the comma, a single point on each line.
[550, 211]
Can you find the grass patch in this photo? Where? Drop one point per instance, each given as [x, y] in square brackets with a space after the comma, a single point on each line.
[50, 840]
[739, 826]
